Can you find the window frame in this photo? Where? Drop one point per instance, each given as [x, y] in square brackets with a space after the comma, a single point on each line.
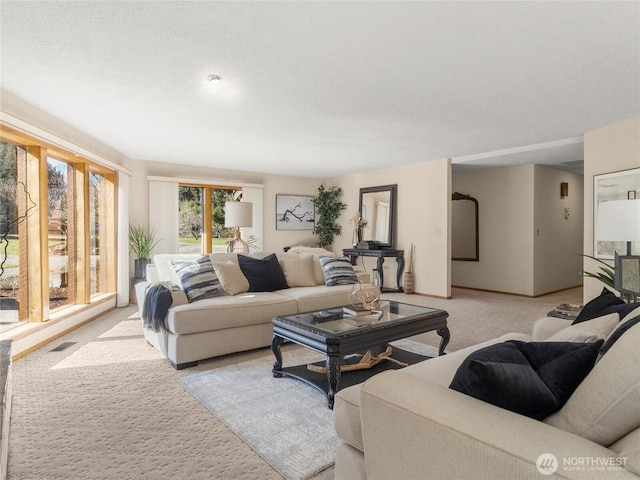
[34, 284]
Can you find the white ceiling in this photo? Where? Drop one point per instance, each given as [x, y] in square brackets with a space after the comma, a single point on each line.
[319, 89]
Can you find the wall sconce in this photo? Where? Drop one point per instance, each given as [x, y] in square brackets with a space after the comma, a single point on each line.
[564, 189]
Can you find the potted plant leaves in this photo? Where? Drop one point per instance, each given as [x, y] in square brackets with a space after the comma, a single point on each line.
[142, 244]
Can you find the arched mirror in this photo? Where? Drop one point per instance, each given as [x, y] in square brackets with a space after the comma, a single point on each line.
[378, 209]
[464, 228]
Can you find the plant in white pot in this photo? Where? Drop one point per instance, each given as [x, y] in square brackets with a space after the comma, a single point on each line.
[141, 243]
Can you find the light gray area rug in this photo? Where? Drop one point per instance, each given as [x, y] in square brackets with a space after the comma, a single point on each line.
[284, 420]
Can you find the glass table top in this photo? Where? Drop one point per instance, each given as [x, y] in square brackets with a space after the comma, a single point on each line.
[335, 320]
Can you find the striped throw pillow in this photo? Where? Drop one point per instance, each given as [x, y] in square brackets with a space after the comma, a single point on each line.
[198, 278]
[337, 271]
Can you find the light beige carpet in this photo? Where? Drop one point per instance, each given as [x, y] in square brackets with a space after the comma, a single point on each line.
[110, 407]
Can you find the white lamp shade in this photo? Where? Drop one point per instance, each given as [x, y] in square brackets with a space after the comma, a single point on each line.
[619, 221]
[238, 214]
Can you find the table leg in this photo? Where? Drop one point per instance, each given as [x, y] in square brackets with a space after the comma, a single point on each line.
[400, 262]
[381, 271]
[276, 341]
[333, 377]
[444, 334]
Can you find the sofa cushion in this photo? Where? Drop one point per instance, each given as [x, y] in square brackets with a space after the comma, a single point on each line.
[317, 252]
[606, 302]
[164, 271]
[231, 277]
[220, 313]
[534, 379]
[337, 271]
[319, 297]
[198, 278]
[620, 330]
[297, 269]
[264, 274]
[604, 407]
[629, 447]
[589, 331]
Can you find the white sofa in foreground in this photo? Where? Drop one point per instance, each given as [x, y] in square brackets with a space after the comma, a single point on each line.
[239, 320]
[408, 424]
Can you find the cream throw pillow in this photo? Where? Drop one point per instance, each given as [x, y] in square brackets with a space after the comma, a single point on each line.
[587, 331]
[604, 408]
[231, 277]
[298, 269]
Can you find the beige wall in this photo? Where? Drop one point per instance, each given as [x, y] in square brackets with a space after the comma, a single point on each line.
[423, 218]
[526, 245]
[505, 213]
[557, 240]
[609, 149]
[507, 228]
[274, 240]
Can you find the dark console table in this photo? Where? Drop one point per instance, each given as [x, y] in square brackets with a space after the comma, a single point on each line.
[354, 253]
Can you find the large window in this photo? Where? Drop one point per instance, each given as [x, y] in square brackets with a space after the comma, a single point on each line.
[57, 210]
[201, 227]
[60, 222]
[14, 206]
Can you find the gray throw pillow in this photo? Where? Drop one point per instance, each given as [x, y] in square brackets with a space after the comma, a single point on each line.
[337, 271]
[198, 278]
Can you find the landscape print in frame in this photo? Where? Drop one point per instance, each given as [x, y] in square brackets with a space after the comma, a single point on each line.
[294, 212]
[623, 185]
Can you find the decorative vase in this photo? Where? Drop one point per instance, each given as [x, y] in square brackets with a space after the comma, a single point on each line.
[140, 265]
[408, 282]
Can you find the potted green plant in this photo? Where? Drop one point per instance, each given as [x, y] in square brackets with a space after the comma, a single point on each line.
[328, 206]
[606, 274]
[141, 243]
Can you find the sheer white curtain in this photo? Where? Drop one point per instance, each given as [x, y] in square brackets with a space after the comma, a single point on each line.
[163, 214]
[255, 196]
[122, 279]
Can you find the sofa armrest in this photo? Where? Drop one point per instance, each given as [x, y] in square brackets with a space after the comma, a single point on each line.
[151, 273]
[141, 291]
[412, 426]
[545, 327]
[178, 296]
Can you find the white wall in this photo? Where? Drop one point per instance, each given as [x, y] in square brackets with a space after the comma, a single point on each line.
[274, 240]
[423, 218]
[609, 149]
[505, 213]
[558, 241]
[526, 245]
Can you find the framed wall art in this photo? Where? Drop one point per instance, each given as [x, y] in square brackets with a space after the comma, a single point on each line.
[294, 212]
[616, 200]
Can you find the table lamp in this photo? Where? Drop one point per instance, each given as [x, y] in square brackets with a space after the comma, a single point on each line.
[619, 221]
[238, 215]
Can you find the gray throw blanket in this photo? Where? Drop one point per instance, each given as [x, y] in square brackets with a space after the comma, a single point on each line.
[157, 301]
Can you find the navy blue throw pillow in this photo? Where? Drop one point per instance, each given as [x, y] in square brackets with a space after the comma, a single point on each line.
[264, 275]
[605, 303]
[534, 379]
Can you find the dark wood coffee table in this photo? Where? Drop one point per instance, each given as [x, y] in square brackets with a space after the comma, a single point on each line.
[336, 335]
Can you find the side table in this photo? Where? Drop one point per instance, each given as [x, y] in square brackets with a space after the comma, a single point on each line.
[381, 254]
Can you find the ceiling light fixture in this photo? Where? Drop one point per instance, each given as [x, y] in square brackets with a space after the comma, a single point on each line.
[214, 78]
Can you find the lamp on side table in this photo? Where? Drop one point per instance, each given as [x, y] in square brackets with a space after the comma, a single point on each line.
[238, 215]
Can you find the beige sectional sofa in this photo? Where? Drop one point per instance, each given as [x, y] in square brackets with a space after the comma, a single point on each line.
[407, 424]
[237, 321]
